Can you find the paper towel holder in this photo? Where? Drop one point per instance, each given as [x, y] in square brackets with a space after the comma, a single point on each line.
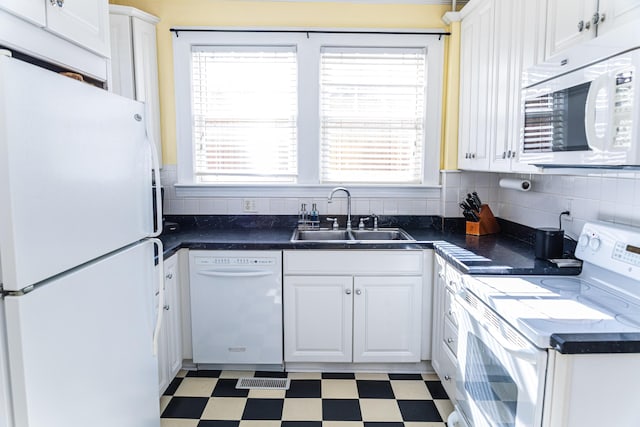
[515, 184]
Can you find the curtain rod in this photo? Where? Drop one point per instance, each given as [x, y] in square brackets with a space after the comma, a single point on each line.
[307, 32]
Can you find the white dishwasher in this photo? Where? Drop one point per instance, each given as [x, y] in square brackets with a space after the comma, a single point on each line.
[236, 306]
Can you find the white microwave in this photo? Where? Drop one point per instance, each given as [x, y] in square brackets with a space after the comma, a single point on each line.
[586, 117]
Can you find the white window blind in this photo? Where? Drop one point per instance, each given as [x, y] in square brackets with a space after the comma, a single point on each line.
[372, 108]
[244, 113]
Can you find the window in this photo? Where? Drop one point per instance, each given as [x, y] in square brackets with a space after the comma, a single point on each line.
[372, 114]
[298, 109]
[244, 113]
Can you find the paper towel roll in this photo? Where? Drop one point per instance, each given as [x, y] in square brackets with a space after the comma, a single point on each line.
[515, 184]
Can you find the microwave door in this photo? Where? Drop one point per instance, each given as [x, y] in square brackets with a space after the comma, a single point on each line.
[598, 114]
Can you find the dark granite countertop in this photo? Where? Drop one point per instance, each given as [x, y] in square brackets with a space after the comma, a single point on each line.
[509, 252]
[596, 343]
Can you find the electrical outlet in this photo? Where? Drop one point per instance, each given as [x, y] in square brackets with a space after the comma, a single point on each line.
[568, 208]
[249, 205]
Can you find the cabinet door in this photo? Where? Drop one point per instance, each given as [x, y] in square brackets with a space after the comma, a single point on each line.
[569, 23]
[84, 22]
[616, 13]
[439, 286]
[386, 319]
[476, 87]
[163, 372]
[170, 338]
[172, 316]
[505, 60]
[122, 74]
[317, 318]
[145, 61]
[523, 20]
[31, 10]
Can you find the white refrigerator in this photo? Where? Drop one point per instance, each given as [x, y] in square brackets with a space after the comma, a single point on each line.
[78, 314]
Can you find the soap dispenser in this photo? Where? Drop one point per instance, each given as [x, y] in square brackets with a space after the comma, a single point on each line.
[314, 217]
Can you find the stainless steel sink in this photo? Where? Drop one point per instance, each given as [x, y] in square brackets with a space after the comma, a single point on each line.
[383, 235]
[322, 235]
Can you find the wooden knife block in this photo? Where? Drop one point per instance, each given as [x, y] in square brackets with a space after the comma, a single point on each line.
[487, 224]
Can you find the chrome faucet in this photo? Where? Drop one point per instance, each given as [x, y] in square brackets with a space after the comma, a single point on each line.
[330, 199]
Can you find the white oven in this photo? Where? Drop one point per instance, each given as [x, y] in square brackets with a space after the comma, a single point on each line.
[514, 367]
[500, 377]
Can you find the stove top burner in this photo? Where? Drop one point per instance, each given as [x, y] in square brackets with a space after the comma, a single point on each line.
[608, 302]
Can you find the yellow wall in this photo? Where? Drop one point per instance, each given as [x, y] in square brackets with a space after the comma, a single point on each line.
[228, 13]
[449, 152]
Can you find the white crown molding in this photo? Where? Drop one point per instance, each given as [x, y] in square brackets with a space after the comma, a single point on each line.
[450, 17]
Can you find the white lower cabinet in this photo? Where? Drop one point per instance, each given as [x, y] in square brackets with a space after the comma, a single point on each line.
[318, 318]
[445, 324]
[373, 315]
[386, 319]
[170, 337]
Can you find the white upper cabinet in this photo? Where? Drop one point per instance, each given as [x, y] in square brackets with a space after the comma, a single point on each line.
[72, 34]
[500, 39]
[85, 22]
[134, 63]
[569, 22]
[613, 13]
[31, 10]
[523, 22]
[476, 86]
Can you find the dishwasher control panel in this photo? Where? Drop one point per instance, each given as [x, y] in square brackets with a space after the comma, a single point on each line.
[233, 261]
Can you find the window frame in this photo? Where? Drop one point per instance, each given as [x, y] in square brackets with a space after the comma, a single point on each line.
[308, 47]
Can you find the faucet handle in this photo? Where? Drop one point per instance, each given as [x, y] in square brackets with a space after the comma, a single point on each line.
[375, 220]
[362, 221]
[335, 222]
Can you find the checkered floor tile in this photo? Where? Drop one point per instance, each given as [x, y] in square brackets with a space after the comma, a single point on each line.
[210, 399]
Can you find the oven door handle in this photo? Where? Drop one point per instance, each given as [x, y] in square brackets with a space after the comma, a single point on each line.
[526, 354]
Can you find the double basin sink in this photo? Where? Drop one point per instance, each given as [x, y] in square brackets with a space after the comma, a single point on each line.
[380, 235]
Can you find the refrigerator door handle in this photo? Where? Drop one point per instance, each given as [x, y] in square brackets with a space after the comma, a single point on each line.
[156, 175]
[160, 308]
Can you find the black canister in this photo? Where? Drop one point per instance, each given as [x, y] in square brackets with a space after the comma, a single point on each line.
[549, 243]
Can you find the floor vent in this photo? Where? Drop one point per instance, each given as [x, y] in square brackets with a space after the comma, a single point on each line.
[264, 383]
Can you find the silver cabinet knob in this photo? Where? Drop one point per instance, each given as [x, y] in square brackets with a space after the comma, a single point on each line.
[58, 3]
[596, 18]
[348, 292]
[447, 378]
[358, 292]
[450, 340]
[169, 276]
[166, 307]
[580, 26]
[504, 154]
[473, 155]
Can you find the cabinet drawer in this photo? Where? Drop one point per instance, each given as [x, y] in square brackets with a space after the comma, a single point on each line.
[450, 337]
[448, 378]
[449, 307]
[353, 262]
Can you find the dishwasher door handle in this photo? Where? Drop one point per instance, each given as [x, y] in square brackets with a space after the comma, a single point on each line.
[257, 273]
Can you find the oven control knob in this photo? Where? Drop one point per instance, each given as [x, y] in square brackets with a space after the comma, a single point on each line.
[583, 241]
[594, 243]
